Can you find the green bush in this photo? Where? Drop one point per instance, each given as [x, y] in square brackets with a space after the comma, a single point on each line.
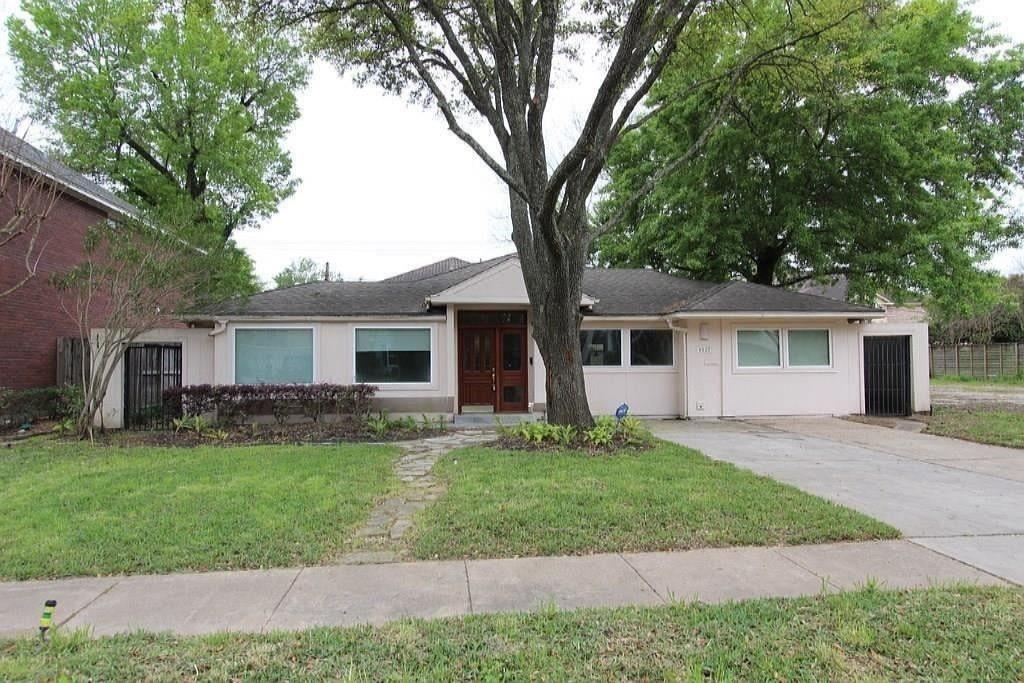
[606, 434]
[25, 406]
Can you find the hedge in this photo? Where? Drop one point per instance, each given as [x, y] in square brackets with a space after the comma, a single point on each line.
[233, 403]
[21, 406]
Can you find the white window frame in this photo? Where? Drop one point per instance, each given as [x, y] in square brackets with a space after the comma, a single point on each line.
[398, 385]
[783, 366]
[276, 326]
[629, 348]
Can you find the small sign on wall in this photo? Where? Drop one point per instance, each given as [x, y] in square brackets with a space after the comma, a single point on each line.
[703, 348]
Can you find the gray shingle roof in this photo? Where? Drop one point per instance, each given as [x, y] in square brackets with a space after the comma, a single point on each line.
[439, 268]
[13, 147]
[353, 298]
[740, 297]
[619, 292]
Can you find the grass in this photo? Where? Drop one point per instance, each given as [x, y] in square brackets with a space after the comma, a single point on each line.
[75, 509]
[936, 634]
[980, 382]
[1001, 428]
[502, 503]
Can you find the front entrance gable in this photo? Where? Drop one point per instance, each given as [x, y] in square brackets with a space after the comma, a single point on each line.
[501, 285]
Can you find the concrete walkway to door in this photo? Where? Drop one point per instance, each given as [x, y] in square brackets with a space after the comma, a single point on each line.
[961, 499]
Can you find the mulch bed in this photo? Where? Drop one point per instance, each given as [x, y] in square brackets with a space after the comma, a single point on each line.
[304, 433]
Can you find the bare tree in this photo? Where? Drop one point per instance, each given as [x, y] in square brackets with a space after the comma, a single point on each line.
[131, 280]
[27, 198]
[495, 62]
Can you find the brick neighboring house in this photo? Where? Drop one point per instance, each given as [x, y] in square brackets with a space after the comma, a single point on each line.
[31, 319]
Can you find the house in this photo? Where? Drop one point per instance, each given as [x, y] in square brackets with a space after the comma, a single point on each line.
[906, 312]
[31, 319]
[455, 337]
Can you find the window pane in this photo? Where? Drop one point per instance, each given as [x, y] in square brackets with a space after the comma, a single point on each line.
[273, 356]
[392, 355]
[601, 347]
[808, 347]
[758, 348]
[650, 347]
[512, 351]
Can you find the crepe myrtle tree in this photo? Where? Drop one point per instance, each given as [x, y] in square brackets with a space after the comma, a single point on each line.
[136, 274]
[495, 63]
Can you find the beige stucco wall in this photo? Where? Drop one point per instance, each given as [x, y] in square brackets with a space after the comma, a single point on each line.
[334, 360]
[793, 391]
[648, 391]
[921, 388]
[197, 367]
[703, 381]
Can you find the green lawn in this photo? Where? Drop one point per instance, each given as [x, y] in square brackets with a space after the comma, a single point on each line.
[936, 634]
[980, 382]
[76, 509]
[984, 426]
[501, 504]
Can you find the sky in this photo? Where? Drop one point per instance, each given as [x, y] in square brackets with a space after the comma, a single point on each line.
[385, 187]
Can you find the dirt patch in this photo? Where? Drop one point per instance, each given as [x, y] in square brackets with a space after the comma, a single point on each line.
[978, 397]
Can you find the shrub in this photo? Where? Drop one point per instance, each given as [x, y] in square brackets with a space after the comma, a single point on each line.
[22, 406]
[606, 434]
[602, 433]
[233, 403]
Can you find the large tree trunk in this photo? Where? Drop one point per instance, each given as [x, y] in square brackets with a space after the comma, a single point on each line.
[556, 327]
[553, 271]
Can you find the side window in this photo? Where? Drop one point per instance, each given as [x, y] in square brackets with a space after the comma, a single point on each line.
[758, 349]
[273, 356]
[650, 347]
[601, 347]
[809, 348]
[392, 355]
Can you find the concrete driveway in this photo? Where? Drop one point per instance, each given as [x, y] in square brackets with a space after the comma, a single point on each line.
[961, 499]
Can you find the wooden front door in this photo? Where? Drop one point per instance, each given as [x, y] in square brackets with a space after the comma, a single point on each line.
[477, 374]
[493, 362]
[512, 373]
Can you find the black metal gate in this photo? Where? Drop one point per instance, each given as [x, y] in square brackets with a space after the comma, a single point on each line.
[887, 384]
[148, 370]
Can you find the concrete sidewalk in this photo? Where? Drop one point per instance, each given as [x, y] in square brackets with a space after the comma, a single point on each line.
[962, 499]
[291, 599]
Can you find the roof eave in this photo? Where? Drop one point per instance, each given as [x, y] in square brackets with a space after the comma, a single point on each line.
[860, 315]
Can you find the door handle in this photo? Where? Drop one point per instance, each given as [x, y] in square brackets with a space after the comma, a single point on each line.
[494, 380]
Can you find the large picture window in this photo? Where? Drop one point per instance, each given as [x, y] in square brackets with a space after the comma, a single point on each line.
[273, 356]
[650, 347]
[808, 348]
[601, 347]
[758, 349]
[388, 355]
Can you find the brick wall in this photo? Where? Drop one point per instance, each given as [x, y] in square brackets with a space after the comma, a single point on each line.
[31, 319]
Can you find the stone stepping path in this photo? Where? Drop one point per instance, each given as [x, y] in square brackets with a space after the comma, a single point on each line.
[381, 538]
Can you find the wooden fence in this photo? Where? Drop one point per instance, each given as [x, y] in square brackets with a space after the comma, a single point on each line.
[977, 360]
[72, 354]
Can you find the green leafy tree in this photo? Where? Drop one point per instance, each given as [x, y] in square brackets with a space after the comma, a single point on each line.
[174, 103]
[883, 151]
[301, 271]
[490, 69]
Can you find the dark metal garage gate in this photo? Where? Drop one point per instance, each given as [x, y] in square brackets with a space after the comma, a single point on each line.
[148, 370]
[887, 379]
